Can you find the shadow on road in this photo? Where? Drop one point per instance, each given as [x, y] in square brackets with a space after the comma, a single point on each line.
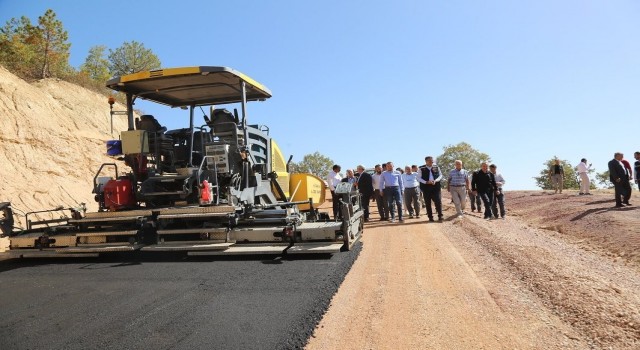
[601, 210]
[602, 201]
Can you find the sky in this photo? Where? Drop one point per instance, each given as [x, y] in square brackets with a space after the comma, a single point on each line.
[364, 82]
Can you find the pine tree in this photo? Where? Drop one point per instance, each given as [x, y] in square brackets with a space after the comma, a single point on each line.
[52, 46]
[16, 52]
[35, 51]
[132, 57]
[96, 66]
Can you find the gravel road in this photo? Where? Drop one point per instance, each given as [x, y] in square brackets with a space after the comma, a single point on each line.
[561, 272]
[167, 302]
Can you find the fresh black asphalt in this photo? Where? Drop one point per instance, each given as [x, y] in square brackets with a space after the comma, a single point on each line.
[166, 302]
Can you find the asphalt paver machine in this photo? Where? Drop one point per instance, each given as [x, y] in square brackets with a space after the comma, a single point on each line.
[222, 187]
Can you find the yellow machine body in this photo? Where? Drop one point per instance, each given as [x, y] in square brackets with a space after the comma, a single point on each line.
[305, 186]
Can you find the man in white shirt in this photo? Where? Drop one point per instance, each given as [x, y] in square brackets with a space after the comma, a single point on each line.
[383, 207]
[411, 192]
[498, 200]
[333, 179]
[583, 172]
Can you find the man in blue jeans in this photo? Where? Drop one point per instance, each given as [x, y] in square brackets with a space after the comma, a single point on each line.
[392, 186]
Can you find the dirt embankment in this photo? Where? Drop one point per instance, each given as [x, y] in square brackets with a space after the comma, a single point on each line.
[561, 272]
[52, 141]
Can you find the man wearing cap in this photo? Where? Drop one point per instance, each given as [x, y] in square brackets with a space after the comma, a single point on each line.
[498, 200]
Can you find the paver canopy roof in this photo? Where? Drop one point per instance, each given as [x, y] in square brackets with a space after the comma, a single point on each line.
[186, 86]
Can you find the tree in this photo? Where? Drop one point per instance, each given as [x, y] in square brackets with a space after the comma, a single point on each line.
[132, 57]
[96, 66]
[470, 157]
[603, 179]
[50, 40]
[35, 51]
[570, 177]
[16, 53]
[315, 164]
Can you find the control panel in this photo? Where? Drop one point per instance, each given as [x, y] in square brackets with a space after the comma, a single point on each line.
[220, 154]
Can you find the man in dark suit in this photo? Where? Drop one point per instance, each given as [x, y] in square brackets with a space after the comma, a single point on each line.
[484, 185]
[429, 177]
[365, 186]
[619, 176]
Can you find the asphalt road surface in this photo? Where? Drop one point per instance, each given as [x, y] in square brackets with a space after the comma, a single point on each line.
[166, 302]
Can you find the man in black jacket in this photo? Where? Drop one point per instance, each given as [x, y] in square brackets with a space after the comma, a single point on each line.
[483, 184]
[365, 186]
[618, 177]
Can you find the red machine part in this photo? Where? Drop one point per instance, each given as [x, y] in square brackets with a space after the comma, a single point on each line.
[118, 194]
[206, 193]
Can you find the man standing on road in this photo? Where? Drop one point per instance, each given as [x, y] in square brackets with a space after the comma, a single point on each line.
[585, 182]
[383, 208]
[414, 168]
[475, 200]
[498, 200]
[618, 176]
[333, 179]
[391, 184]
[365, 187]
[458, 185]
[556, 174]
[484, 185]
[627, 185]
[411, 192]
[636, 165]
[429, 179]
[628, 169]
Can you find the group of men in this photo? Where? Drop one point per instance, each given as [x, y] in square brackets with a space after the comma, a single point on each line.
[620, 174]
[392, 188]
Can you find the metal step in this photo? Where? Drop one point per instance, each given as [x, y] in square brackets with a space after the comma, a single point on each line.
[100, 248]
[111, 214]
[172, 193]
[177, 247]
[106, 233]
[199, 210]
[315, 248]
[191, 230]
[108, 219]
[196, 212]
[26, 253]
[241, 249]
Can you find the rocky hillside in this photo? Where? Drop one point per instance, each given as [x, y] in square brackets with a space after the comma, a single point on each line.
[52, 141]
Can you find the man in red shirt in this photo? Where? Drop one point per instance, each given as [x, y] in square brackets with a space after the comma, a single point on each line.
[627, 184]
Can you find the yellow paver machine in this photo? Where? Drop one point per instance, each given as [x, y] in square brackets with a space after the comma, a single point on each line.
[222, 187]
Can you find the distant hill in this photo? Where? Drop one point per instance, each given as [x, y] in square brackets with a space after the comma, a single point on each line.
[52, 141]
